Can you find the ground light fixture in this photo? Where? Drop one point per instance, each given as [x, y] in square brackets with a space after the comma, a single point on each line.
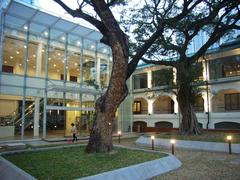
[152, 138]
[172, 141]
[229, 139]
[119, 136]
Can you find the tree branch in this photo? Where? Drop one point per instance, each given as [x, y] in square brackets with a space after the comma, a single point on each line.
[160, 62]
[79, 13]
[132, 65]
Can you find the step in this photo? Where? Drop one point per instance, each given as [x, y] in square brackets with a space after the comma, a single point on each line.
[14, 146]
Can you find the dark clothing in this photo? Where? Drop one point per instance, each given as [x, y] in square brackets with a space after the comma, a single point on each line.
[74, 137]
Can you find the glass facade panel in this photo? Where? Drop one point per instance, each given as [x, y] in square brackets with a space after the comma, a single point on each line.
[14, 55]
[56, 62]
[104, 72]
[32, 59]
[73, 64]
[88, 69]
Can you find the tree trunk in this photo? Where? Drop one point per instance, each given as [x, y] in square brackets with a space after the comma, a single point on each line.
[106, 106]
[185, 95]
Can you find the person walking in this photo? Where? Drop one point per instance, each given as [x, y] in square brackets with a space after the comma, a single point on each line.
[74, 132]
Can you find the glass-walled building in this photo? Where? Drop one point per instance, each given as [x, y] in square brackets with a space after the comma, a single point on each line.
[51, 72]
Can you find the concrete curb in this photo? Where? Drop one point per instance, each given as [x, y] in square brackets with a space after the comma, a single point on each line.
[10, 171]
[141, 171]
[196, 145]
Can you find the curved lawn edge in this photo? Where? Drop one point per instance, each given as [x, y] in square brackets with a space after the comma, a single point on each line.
[10, 171]
[142, 171]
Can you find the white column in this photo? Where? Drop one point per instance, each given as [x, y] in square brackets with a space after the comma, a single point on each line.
[98, 71]
[150, 106]
[149, 79]
[205, 65]
[36, 99]
[174, 75]
[36, 118]
[39, 60]
[174, 98]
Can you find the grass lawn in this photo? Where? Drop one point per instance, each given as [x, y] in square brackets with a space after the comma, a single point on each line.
[72, 163]
[206, 136]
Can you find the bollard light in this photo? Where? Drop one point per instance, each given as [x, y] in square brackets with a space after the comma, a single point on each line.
[172, 141]
[152, 138]
[229, 139]
[119, 136]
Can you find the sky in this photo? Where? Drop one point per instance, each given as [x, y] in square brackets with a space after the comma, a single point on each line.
[53, 7]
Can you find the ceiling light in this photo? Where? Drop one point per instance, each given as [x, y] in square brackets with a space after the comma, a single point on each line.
[34, 55]
[63, 38]
[25, 46]
[17, 52]
[92, 47]
[46, 33]
[5, 62]
[43, 50]
[66, 67]
[11, 57]
[78, 43]
[75, 64]
[20, 64]
[49, 59]
[25, 27]
[54, 65]
[59, 54]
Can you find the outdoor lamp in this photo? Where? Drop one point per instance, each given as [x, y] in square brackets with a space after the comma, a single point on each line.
[152, 138]
[229, 139]
[172, 141]
[119, 136]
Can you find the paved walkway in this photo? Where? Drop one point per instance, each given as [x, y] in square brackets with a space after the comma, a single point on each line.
[198, 145]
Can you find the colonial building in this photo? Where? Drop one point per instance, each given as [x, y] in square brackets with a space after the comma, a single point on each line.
[218, 107]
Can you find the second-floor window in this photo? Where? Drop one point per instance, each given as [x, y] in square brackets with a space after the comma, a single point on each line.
[224, 67]
[162, 77]
[232, 102]
[140, 81]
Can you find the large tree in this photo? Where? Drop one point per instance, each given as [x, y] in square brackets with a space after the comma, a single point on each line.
[101, 135]
[211, 18]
